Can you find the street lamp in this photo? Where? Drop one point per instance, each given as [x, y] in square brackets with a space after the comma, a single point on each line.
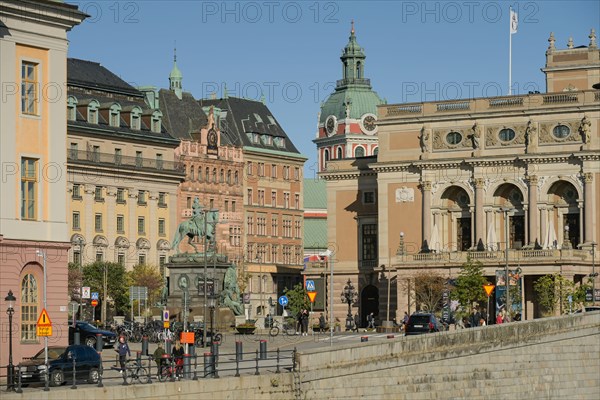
[213, 214]
[10, 376]
[212, 302]
[506, 211]
[387, 323]
[42, 254]
[81, 244]
[349, 296]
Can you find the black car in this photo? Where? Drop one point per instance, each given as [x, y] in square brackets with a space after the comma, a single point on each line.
[420, 323]
[60, 362]
[88, 334]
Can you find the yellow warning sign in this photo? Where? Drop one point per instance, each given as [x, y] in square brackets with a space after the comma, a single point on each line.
[488, 289]
[312, 296]
[44, 319]
[43, 330]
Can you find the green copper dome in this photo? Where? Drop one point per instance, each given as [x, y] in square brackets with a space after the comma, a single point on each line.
[353, 93]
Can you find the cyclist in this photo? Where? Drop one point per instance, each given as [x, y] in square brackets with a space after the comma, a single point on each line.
[158, 357]
[178, 353]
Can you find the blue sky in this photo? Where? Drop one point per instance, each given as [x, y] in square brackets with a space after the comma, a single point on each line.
[289, 50]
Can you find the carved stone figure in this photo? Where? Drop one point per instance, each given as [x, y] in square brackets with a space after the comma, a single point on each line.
[530, 134]
[230, 295]
[424, 140]
[585, 128]
[195, 226]
[475, 135]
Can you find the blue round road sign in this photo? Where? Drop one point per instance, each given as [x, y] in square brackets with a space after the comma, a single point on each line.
[283, 301]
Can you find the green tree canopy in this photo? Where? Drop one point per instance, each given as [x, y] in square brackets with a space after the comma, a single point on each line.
[298, 299]
[150, 277]
[117, 282]
[553, 293]
[468, 287]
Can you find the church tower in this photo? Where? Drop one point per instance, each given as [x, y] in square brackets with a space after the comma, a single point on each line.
[347, 126]
[175, 78]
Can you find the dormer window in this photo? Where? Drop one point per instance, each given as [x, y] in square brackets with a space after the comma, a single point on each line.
[72, 108]
[136, 118]
[279, 142]
[92, 112]
[155, 124]
[256, 138]
[114, 117]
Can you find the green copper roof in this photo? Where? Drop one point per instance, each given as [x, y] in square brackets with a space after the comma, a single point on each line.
[315, 234]
[315, 194]
[175, 72]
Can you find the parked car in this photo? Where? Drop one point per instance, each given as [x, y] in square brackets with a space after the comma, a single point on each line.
[420, 323]
[588, 309]
[60, 362]
[88, 334]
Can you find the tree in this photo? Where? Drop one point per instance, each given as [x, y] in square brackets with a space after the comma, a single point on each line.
[429, 289]
[553, 292]
[468, 287]
[75, 281]
[117, 283]
[297, 299]
[150, 277]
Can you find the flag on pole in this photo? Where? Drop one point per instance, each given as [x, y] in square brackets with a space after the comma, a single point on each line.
[514, 21]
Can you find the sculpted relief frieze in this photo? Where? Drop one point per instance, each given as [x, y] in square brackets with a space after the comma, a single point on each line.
[560, 132]
[451, 139]
[501, 135]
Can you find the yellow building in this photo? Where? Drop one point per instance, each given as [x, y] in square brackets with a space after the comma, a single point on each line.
[469, 178]
[33, 215]
[123, 178]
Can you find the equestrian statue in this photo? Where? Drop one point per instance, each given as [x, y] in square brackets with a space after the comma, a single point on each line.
[201, 224]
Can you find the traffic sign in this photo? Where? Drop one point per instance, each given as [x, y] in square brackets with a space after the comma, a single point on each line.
[312, 296]
[94, 303]
[85, 292]
[310, 285]
[488, 288]
[166, 319]
[95, 296]
[44, 324]
[283, 301]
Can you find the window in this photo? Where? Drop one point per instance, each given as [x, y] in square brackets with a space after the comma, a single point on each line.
[359, 152]
[453, 138]
[159, 161]
[155, 124]
[141, 225]
[297, 173]
[29, 86]
[286, 172]
[233, 206]
[135, 118]
[199, 177]
[71, 108]
[162, 202]
[92, 112]
[76, 221]
[139, 162]
[274, 253]
[250, 225]
[98, 222]
[273, 170]
[297, 229]
[29, 308]
[297, 201]
[261, 225]
[99, 255]
[249, 197]
[274, 228]
[121, 258]
[286, 200]
[28, 188]
[287, 227]
[261, 197]
[369, 242]
[207, 174]
[261, 169]
[142, 259]
[95, 155]
[214, 175]
[118, 156]
[226, 205]
[76, 195]
[161, 265]
[98, 194]
[236, 179]
[368, 197]
[222, 176]
[161, 227]
[114, 116]
[249, 168]
[274, 198]
[120, 195]
[77, 257]
[142, 197]
[339, 153]
[229, 177]
[561, 131]
[73, 151]
[120, 223]
[506, 135]
[211, 204]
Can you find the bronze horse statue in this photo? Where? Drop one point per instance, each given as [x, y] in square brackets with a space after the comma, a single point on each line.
[196, 226]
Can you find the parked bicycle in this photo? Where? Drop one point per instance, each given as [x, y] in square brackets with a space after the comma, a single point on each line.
[136, 372]
[288, 328]
[168, 370]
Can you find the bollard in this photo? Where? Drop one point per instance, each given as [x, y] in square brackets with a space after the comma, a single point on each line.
[101, 371]
[208, 364]
[145, 345]
[239, 354]
[257, 373]
[74, 375]
[77, 337]
[215, 351]
[364, 339]
[99, 342]
[263, 349]
[173, 369]
[187, 367]
[237, 367]
[19, 390]
[195, 377]
[277, 370]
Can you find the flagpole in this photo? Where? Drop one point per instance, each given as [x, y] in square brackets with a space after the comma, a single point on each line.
[509, 50]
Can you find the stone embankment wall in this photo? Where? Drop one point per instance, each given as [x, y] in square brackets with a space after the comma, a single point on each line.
[552, 358]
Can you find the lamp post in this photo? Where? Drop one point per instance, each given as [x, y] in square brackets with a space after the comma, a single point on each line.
[349, 296]
[214, 217]
[10, 375]
[81, 243]
[212, 302]
[506, 211]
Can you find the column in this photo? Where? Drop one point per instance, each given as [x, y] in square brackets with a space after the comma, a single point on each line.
[533, 210]
[543, 226]
[588, 179]
[472, 213]
[152, 228]
[479, 231]
[426, 187]
[526, 217]
[88, 230]
[131, 258]
[488, 224]
[581, 221]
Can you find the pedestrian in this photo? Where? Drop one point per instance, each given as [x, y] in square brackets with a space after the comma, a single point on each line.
[177, 354]
[322, 322]
[304, 321]
[474, 318]
[482, 322]
[299, 322]
[405, 319]
[371, 321]
[356, 322]
[123, 351]
[499, 318]
[158, 357]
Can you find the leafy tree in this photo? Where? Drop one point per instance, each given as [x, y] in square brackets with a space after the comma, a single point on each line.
[75, 281]
[553, 293]
[297, 299]
[150, 277]
[468, 287]
[117, 282]
[428, 287]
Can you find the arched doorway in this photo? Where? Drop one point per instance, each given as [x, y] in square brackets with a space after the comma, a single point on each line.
[456, 220]
[563, 198]
[369, 303]
[510, 196]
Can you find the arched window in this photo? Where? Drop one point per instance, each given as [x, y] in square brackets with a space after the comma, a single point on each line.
[192, 173]
[236, 178]
[229, 177]
[376, 151]
[222, 176]
[207, 174]
[29, 308]
[339, 153]
[214, 178]
[326, 155]
[359, 152]
[199, 173]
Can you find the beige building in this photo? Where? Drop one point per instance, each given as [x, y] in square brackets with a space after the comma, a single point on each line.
[122, 175]
[454, 179]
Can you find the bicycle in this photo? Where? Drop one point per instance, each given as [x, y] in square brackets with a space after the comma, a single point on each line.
[286, 329]
[136, 372]
[168, 370]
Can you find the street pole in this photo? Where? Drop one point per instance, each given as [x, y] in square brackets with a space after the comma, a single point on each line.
[104, 299]
[594, 272]
[42, 254]
[330, 261]
[10, 378]
[81, 247]
[205, 269]
[506, 277]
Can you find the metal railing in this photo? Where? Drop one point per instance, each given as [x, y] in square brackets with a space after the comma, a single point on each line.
[120, 161]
